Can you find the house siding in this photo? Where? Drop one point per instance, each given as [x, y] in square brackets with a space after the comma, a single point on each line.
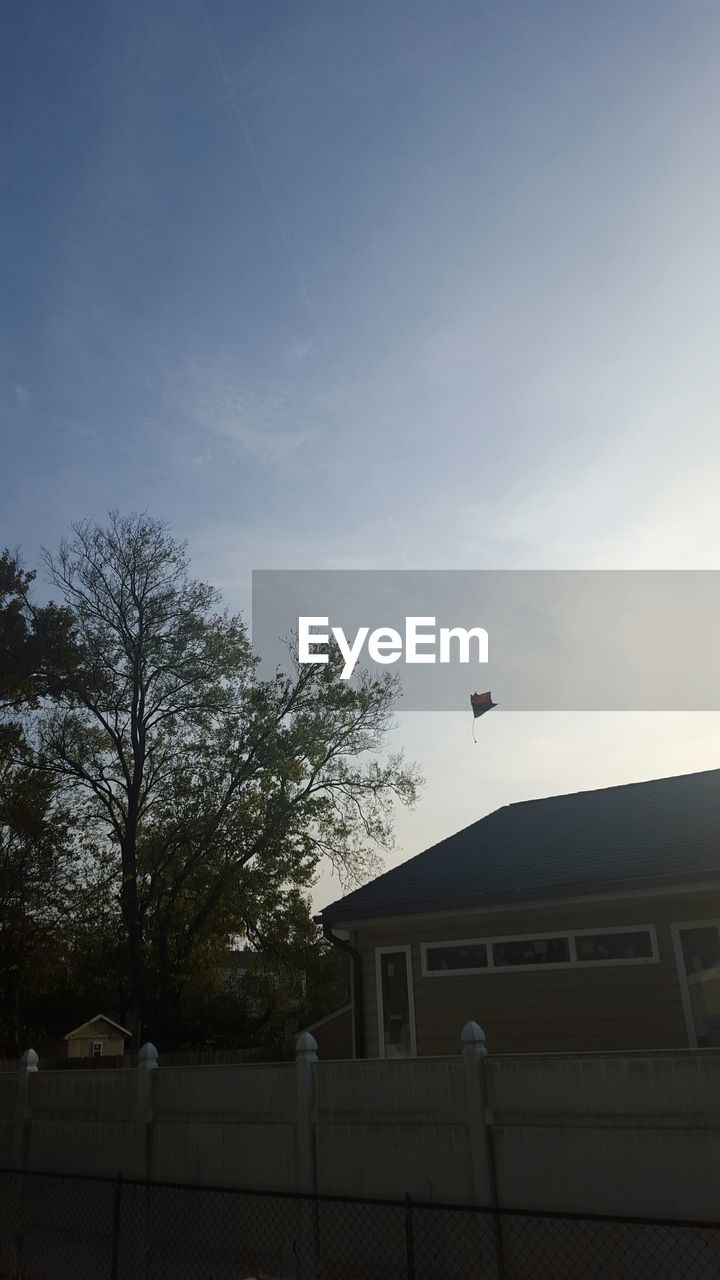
[334, 1035]
[633, 1006]
[82, 1048]
[80, 1042]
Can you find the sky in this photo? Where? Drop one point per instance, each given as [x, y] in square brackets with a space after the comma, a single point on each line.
[399, 284]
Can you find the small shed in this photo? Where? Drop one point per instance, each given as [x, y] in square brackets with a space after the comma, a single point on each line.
[100, 1037]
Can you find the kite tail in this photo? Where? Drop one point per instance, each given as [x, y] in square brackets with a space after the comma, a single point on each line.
[474, 738]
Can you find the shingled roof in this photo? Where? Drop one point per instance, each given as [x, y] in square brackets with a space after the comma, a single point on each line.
[645, 833]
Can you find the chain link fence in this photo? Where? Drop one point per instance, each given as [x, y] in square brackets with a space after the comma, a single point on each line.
[54, 1226]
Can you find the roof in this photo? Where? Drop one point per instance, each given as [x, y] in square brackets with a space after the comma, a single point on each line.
[641, 834]
[99, 1017]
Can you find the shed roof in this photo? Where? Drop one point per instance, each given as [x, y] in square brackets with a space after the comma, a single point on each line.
[644, 833]
[99, 1017]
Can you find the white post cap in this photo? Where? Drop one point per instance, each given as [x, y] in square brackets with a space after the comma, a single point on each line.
[473, 1040]
[148, 1056]
[306, 1046]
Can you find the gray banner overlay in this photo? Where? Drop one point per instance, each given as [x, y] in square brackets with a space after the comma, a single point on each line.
[557, 640]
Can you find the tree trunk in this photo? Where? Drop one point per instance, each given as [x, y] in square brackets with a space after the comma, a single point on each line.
[136, 964]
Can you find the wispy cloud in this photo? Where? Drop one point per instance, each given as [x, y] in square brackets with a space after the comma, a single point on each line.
[22, 395]
[298, 349]
[268, 195]
[215, 404]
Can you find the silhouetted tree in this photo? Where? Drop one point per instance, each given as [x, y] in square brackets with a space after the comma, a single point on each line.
[38, 872]
[220, 792]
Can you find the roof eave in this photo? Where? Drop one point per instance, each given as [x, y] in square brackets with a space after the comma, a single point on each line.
[99, 1017]
[529, 898]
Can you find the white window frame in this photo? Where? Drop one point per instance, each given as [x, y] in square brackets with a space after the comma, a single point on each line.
[675, 929]
[653, 958]
[97, 1044]
[546, 935]
[381, 951]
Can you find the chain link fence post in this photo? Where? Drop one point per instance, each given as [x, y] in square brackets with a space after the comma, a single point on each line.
[117, 1203]
[409, 1238]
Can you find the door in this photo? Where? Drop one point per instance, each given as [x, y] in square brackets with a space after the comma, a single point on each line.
[396, 1011]
[697, 951]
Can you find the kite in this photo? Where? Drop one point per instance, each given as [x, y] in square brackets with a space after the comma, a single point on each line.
[480, 703]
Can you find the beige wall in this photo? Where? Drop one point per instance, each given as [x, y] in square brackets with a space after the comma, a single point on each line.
[575, 1009]
[82, 1046]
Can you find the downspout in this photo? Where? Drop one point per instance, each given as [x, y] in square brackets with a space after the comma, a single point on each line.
[357, 986]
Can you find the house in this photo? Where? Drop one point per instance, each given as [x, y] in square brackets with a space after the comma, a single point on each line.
[574, 923]
[98, 1038]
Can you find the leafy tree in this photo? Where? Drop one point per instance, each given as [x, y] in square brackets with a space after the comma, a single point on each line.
[296, 977]
[35, 891]
[220, 792]
[88, 974]
[30, 641]
[37, 858]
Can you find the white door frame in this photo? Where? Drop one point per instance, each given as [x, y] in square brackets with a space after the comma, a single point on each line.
[675, 930]
[380, 951]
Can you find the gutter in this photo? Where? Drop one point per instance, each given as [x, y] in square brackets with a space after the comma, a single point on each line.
[357, 985]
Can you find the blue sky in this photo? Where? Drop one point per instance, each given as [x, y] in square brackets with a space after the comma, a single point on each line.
[399, 284]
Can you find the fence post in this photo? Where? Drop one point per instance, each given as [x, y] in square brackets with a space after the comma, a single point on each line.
[409, 1238]
[308, 1242]
[28, 1065]
[115, 1246]
[147, 1063]
[472, 1040]
[305, 1059]
[474, 1051]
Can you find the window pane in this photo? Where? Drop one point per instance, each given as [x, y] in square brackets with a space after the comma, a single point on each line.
[534, 951]
[614, 946]
[473, 955]
[396, 1004]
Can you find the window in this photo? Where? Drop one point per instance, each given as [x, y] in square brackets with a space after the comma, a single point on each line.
[462, 955]
[97, 1049]
[633, 944]
[598, 947]
[396, 1010]
[531, 951]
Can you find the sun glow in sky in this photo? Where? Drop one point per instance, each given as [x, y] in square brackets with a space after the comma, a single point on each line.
[399, 285]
